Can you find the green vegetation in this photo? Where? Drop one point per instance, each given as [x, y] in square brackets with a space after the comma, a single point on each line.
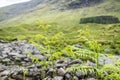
[110, 72]
[56, 41]
[107, 35]
[55, 33]
[100, 20]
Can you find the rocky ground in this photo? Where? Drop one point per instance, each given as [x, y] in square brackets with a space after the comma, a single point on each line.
[15, 63]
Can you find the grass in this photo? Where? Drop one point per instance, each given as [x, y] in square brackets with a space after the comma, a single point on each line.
[64, 30]
[71, 17]
[25, 26]
[105, 34]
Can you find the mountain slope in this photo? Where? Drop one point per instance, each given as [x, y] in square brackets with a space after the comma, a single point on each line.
[64, 47]
[26, 25]
[73, 4]
[22, 8]
[60, 11]
[17, 9]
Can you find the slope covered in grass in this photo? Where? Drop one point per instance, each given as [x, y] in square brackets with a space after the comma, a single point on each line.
[66, 21]
[49, 12]
[58, 45]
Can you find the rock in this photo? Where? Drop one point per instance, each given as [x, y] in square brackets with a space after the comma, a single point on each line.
[105, 60]
[65, 55]
[61, 72]
[27, 59]
[89, 63]
[79, 74]
[51, 72]
[64, 61]
[1, 41]
[17, 77]
[67, 76]
[76, 78]
[15, 52]
[14, 75]
[77, 61]
[48, 78]
[35, 74]
[77, 46]
[116, 57]
[29, 78]
[2, 68]
[4, 78]
[35, 51]
[61, 61]
[57, 78]
[6, 60]
[38, 66]
[91, 79]
[4, 55]
[61, 65]
[39, 57]
[31, 67]
[5, 73]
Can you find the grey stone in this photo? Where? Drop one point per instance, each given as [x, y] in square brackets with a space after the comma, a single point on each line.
[6, 60]
[4, 55]
[51, 72]
[116, 57]
[61, 72]
[77, 46]
[2, 68]
[5, 73]
[77, 61]
[105, 60]
[18, 77]
[67, 76]
[61, 65]
[61, 61]
[58, 78]
[79, 74]
[40, 57]
[91, 79]
[48, 78]
[89, 63]
[76, 78]
[4, 78]
[38, 66]
[27, 59]
[15, 54]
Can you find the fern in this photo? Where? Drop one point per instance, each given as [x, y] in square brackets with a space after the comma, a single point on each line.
[85, 54]
[69, 51]
[55, 56]
[117, 63]
[25, 72]
[86, 70]
[42, 25]
[109, 71]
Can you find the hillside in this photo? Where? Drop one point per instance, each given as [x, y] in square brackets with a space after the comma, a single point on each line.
[73, 4]
[60, 40]
[17, 9]
[49, 13]
[23, 8]
[56, 12]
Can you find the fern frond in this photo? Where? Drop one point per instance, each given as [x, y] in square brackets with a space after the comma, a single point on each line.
[84, 69]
